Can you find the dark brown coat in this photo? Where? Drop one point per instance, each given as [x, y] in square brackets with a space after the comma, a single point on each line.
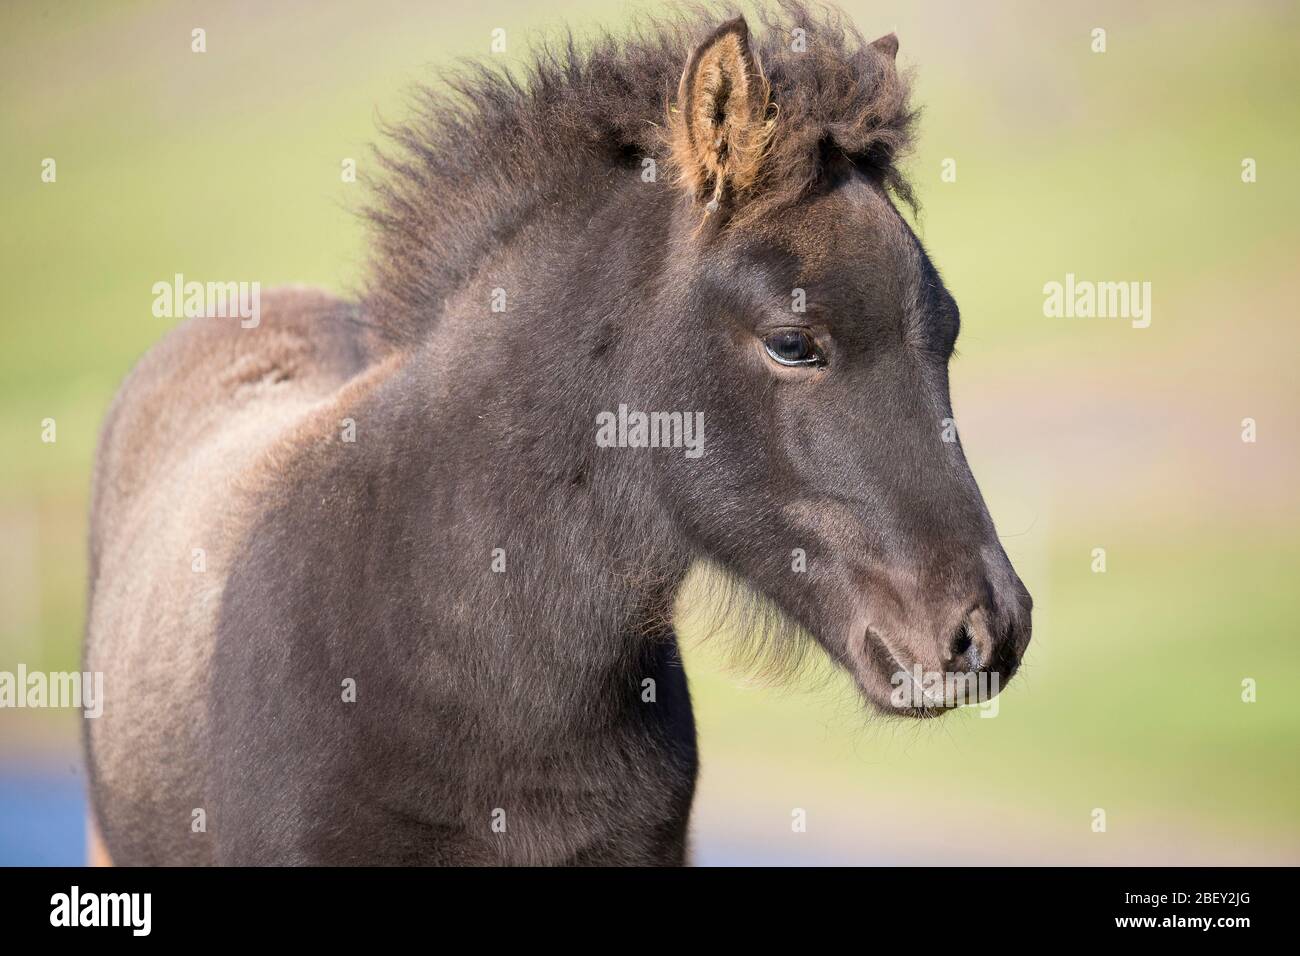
[537, 712]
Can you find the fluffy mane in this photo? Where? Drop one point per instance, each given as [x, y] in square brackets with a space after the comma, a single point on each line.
[486, 147]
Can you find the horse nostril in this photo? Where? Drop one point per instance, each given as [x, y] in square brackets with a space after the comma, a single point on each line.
[962, 641]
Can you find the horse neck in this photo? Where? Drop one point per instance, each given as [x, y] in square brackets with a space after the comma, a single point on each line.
[544, 548]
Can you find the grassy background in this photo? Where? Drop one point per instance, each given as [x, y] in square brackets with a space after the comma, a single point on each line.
[1123, 165]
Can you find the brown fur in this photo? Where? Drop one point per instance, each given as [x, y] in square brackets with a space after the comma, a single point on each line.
[490, 151]
[522, 689]
[719, 130]
[204, 422]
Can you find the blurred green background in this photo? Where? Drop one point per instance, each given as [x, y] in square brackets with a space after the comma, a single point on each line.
[1084, 433]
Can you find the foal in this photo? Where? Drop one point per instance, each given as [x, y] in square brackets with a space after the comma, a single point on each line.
[368, 587]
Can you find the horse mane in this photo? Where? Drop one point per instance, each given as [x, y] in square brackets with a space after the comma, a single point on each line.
[486, 148]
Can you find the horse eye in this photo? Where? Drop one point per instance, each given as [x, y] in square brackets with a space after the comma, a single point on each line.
[793, 347]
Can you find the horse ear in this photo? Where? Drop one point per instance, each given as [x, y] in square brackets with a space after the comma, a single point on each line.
[719, 126]
[888, 45]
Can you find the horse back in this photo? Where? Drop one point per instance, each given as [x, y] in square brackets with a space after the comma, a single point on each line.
[205, 421]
